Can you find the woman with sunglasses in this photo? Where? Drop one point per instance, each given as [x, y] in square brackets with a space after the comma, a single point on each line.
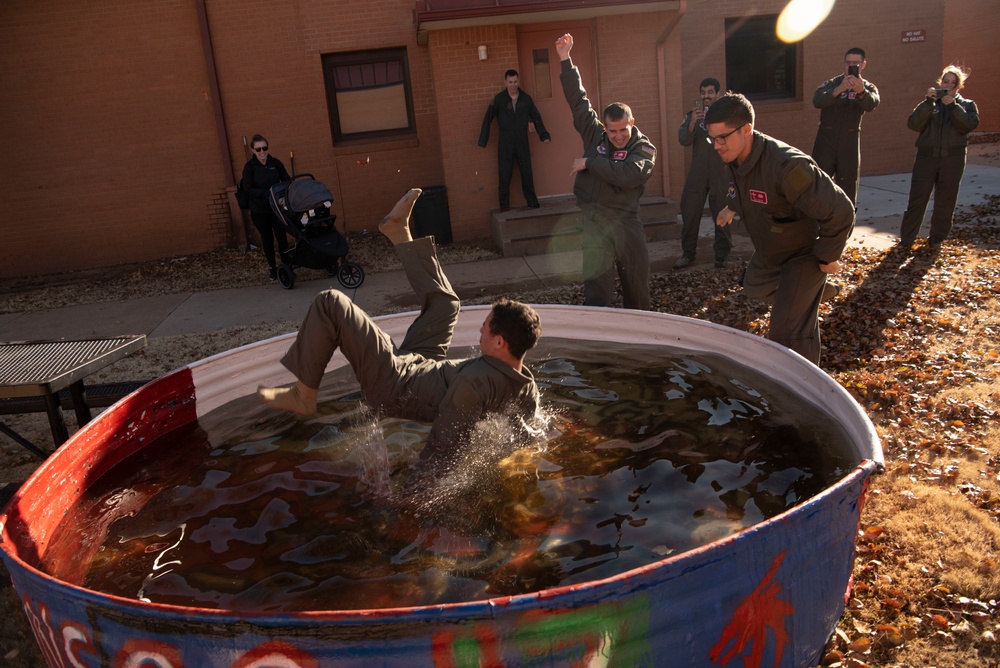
[944, 120]
[261, 172]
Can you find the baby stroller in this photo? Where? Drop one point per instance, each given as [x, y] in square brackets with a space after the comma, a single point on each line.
[303, 207]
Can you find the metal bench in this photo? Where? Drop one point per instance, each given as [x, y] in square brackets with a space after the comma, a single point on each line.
[48, 375]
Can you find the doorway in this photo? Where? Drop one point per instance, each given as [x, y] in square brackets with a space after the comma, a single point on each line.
[539, 69]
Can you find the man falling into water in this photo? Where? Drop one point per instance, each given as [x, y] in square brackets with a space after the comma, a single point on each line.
[415, 381]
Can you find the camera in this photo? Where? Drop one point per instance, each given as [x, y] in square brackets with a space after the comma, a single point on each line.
[854, 70]
[941, 92]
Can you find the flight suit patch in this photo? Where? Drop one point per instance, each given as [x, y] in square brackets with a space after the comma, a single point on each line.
[648, 150]
[731, 193]
[758, 196]
[619, 155]
[602, 149]
[797, 180]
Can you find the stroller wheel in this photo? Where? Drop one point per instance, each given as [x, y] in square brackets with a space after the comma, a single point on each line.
[351, 275]
[331, 269]
[286, 277]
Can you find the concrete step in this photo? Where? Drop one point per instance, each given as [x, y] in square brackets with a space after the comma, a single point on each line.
[557, 225]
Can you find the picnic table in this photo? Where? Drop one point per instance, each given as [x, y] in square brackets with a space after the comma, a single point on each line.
[42, 369]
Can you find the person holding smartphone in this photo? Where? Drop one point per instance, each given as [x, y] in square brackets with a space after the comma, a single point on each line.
[944, 120]
[842, 101]
[706, 177]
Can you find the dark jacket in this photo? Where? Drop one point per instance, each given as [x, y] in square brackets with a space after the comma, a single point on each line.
[258, 179]
[614, 178]
[789, 205]
[512, 120]
[944, 129]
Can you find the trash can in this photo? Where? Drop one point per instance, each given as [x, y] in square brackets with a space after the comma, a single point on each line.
[431, 216]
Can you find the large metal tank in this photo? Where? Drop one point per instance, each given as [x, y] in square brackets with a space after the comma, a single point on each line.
[767, 596]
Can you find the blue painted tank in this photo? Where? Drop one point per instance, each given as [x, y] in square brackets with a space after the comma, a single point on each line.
[769, 595]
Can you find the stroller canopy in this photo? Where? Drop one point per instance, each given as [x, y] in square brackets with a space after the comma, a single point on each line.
[306, 194]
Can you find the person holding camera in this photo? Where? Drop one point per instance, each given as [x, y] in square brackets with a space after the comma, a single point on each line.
[842, 101]
[944, 120]
[706, 177]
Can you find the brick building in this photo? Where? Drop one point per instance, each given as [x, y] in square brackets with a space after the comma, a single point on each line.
[125, 122]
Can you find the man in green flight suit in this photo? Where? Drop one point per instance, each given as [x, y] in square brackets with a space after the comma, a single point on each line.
[415, 380]
[798, 219]
[610, 178]
[513, 108]
[842, 101]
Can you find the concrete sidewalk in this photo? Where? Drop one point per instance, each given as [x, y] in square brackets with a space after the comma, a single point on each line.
[881, 202]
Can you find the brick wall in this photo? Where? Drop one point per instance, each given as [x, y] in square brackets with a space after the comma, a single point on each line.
[901, 72]
[464, 86]
[628, 72]
[970, 39]
[271, 82]
[108, 133]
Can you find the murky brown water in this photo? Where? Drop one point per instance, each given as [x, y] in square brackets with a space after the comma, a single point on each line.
[650, 452]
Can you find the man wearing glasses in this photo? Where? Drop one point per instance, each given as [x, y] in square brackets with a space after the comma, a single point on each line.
[842, 101]
[798, 219]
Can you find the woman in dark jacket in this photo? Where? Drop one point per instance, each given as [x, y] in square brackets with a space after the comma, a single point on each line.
[944, 120]
[260, 173]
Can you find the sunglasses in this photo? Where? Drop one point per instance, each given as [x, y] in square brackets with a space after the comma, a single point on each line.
[260, 148]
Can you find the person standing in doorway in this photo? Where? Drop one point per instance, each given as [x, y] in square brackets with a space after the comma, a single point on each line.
[944, 120]
[798, 219]
[261, 172]
[706, 177]
[842, 101]
[609, 180]
[513, 108]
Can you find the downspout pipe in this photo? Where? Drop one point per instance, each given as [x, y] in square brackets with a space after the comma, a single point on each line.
[661, 69]
[237, 235]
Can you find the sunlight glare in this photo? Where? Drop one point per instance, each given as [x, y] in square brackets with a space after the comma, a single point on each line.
[801, 17]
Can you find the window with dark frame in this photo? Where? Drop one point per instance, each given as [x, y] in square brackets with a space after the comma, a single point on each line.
[758, 64]
[368, 94]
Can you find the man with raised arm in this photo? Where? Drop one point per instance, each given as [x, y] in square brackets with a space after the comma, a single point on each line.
[610, 178]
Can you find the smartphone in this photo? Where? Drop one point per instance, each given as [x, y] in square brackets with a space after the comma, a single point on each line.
[854, 70]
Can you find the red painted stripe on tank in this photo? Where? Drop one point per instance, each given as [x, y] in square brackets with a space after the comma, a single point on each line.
[48, 497]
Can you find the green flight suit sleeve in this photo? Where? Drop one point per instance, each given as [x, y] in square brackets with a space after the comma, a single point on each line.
[965, 117]
[813, 193]
[824, 97]
[684, 134]
[484, 133]
[536, 118]
[921, 115]
[585, 119]
[870, 99]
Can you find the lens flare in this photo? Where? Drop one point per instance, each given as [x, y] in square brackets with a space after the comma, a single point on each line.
[801, 17]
